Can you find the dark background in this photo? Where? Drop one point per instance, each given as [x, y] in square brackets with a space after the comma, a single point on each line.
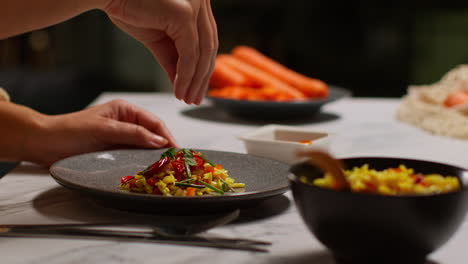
[372, 51]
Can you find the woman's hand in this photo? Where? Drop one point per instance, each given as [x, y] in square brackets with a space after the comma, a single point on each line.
[181, 34]
[44, 139]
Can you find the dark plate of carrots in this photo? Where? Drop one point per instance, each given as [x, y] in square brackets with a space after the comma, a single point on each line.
[248, 83]
[271, 110]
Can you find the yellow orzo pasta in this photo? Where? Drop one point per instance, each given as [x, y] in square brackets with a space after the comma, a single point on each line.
[391, 181]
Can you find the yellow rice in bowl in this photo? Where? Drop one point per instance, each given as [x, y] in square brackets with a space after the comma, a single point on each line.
[391, 181]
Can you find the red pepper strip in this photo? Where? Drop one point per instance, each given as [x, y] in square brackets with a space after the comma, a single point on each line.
[152, 181]
[179, 169]
[156, 167]
[125, 179]
[199, 162]
[132, 183]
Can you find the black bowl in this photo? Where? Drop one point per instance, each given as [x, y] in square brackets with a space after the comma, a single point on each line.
[370, 228]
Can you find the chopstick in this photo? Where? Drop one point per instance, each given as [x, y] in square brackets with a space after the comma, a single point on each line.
[89, 231]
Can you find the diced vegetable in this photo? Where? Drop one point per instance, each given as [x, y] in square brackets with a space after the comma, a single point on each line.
[456, 98]
[126, 179]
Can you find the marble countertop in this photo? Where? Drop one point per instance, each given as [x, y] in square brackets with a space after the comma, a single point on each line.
[360, 126]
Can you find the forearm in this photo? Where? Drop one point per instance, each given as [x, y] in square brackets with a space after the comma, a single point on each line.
[19, 16]
[18, 125]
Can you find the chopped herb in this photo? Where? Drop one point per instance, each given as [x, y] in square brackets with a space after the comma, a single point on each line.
[206, 160]
[187, 169]
[188, 157]
[211, 187]
[185, 181]
[188, 161]
[227, 184]
[169, 153]
[189, 185]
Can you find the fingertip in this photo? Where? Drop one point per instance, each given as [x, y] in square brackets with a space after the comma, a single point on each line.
[158, 141]
[181, 91]
[178, 94]
[188, 98]
[201, 96]
[193, 95]
[187, 101]
[198, 100]
[178, 97]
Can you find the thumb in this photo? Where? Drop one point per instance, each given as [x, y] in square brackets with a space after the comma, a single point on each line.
[122, 133]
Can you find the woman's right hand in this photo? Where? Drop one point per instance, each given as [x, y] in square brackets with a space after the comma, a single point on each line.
[181, 34]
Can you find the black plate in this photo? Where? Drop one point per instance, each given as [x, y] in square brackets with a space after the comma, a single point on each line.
[98, 175]
[275, 110]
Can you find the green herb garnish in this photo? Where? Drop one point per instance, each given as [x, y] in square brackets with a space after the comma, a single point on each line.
[188, 157]
[206, 160]
[187, 169]
[227, 184]
[188, 185]
[185, 181]
[211, 187]
[188, 161]
[169, 153]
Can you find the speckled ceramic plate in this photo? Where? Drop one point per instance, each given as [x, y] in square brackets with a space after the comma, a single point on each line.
[278, 110]
[98, 174]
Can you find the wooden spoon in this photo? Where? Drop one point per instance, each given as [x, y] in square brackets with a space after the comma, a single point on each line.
[327, 163]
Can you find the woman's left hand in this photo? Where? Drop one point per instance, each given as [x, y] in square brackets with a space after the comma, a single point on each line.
[117, 124]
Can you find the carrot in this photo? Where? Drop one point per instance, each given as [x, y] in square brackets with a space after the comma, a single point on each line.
[190, 191]
[309, 86]
[270, 93]
[236, 92]
[261, 77]
[265, 93]
[456, 98]
[223, 75]
[231, 92]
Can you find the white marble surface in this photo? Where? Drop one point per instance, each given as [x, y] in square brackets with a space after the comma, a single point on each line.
[361, 127]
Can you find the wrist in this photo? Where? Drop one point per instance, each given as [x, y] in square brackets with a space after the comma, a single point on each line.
[20, 125]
